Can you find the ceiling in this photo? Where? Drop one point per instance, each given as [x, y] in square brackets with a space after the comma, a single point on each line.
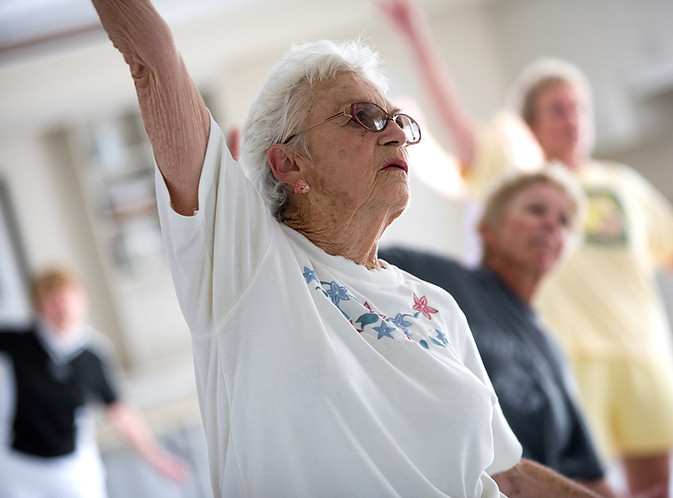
[35, 27]
[26, 24]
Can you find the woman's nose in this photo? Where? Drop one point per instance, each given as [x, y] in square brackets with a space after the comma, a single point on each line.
[393, 134]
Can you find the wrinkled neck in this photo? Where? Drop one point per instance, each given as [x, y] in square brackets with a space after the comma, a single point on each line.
[353, 236]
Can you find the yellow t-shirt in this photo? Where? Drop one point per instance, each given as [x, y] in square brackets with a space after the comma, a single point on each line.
[603, 300]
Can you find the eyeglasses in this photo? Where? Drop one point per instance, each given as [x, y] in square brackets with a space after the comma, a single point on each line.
[373, 118]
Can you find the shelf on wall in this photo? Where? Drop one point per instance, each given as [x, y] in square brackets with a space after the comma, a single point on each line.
[117, 175]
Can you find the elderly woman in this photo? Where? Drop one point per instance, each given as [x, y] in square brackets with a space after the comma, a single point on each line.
[603, 302]
[526, 226]
[320, 372]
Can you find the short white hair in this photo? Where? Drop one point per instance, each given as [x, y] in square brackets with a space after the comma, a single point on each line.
[542, 72]
[280, 106]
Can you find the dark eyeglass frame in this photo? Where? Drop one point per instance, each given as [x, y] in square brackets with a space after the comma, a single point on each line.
[350, 111]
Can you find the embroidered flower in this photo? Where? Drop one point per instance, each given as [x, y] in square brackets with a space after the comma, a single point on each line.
[421, 304]
[337, 293]
[442, 337]
[310, 275]
[384, 330]
[401, 323]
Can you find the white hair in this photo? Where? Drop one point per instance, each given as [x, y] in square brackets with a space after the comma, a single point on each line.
[280, 107]
[541, 71]
[541, 74]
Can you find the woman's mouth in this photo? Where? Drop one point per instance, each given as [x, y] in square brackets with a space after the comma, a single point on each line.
[398, 164]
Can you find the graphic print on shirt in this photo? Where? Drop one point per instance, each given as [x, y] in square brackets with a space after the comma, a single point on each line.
[362, 316]
[605, 221]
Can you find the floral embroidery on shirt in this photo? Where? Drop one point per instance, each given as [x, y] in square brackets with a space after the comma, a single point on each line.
[372, 311]
[439, 340]
[367, 319]
[421, 304]
[441, 336]
[384, 327]
[337, 293]
[310, 275]
[401, 323]
[384, 330]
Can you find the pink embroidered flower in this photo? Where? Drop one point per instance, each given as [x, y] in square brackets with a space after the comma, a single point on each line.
[421, 304]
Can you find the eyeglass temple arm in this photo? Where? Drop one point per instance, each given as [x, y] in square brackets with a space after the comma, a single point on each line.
[341, 113]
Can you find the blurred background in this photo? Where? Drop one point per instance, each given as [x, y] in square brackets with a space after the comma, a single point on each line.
[76, 177]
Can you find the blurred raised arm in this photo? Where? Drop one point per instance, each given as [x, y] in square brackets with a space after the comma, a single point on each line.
[410, 21]
[175, 116]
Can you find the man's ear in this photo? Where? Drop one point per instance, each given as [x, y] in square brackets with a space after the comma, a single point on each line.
[485, 233]
[283, 164]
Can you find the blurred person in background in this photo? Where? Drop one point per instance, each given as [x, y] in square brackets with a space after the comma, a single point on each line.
[603, 302]
[529, 222]
[59, 367]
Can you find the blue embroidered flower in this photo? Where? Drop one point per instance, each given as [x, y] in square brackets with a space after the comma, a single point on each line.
[310, 275]
[401, 323]
[440, 339]
[337, 293]
[384, 330]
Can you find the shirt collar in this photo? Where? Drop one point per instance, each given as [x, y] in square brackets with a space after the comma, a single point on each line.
[62, 345]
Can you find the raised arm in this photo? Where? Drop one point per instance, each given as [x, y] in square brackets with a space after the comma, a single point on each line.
[410, 21]
[175, 116]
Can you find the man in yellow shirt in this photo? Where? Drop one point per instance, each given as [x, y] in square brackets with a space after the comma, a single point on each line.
[603, 302]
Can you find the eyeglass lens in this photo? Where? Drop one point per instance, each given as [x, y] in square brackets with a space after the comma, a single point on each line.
[373, 118]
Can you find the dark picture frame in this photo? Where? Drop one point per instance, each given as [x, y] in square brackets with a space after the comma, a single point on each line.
[15, 303]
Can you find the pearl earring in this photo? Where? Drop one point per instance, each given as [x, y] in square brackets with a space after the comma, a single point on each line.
[301, 187]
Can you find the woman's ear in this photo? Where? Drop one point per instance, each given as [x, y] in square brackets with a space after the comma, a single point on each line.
[283, 165]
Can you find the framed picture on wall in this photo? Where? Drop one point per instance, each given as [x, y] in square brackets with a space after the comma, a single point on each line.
[15, 306]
